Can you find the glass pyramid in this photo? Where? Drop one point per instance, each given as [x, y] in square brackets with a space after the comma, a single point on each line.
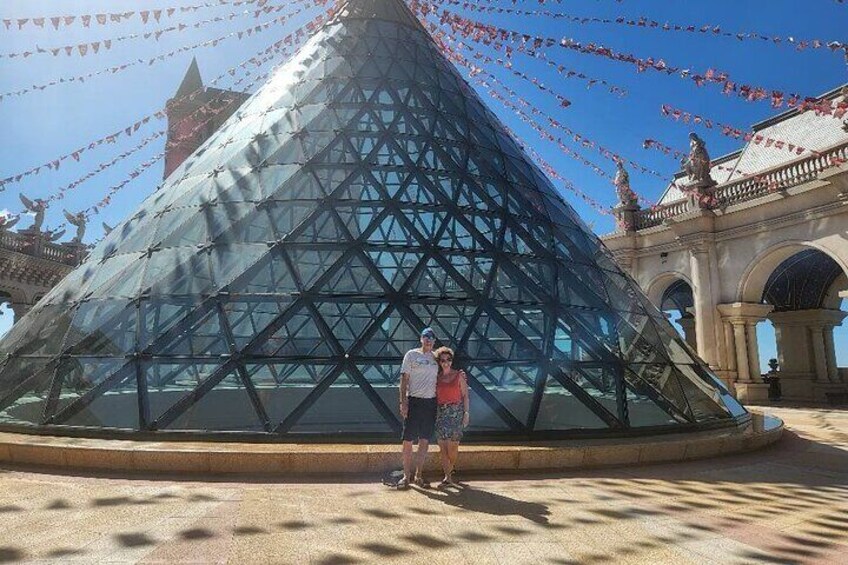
[272, 285]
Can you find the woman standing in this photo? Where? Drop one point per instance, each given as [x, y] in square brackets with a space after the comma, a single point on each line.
[452, 412]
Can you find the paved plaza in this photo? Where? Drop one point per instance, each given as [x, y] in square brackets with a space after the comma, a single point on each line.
[786, 504]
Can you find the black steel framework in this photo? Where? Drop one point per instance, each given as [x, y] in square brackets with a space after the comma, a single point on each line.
[275, 281]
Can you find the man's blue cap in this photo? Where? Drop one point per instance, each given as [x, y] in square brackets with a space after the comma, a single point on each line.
[428, 332]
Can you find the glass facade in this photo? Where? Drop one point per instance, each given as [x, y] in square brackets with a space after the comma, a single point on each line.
[273, 284]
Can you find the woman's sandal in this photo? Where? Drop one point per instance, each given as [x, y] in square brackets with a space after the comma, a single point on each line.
[420, 482]
[403, 484]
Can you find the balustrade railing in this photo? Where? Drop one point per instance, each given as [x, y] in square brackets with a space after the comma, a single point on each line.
[753, 186]
[31, 244]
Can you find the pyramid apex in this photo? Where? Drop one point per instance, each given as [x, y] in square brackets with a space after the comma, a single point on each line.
[390, 10]
[192, 80]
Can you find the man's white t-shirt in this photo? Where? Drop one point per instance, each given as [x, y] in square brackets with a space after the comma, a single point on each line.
[422, 370]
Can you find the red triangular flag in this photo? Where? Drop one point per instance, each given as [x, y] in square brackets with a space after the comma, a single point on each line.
[145, 14]
[56, 21]
[86, 21]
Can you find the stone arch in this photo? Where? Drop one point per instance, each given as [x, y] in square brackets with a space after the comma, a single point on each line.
[753, 280]
[660, 283]
[832, 300]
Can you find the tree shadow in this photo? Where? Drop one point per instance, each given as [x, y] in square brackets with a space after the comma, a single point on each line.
[477, 500]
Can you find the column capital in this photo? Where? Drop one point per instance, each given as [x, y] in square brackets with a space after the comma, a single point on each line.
[819, 317]
[744, 312]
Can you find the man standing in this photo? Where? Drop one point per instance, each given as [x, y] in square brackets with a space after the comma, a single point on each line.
[418, 405]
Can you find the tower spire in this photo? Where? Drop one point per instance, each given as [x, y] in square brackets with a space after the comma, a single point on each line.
[192, 80]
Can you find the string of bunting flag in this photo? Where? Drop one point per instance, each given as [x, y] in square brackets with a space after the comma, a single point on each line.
[730, 131]
[425, 9]
[550, 170]
[119, 68]
[293, 38]
[647, 23]
[474, 71]
[146, 16]
[94, 47]
[488, 34]
[206, 109]
[554, 174]
[445, 39]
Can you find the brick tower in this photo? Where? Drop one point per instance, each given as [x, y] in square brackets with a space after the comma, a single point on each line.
[192, 105]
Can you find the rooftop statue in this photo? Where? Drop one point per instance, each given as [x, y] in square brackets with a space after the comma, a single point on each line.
[38, 207]
[626, 196]
[79, 220]
[697, 165]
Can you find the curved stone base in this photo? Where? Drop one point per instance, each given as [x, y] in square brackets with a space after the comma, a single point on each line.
[205, 458]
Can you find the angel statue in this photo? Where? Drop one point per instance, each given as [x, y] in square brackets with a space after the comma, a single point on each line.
[38, 208]
[8, 222]
[79, 220]
[697, 165]
[626, 196]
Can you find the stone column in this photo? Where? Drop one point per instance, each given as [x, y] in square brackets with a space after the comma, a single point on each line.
[728, 345]
[807, 354]
[819, 354]
[830, 351]
[743, 367]
[754, 348]
[743, 317]
[704, 308]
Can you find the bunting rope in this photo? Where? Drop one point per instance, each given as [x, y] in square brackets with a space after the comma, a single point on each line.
[118, 17]
[542, 162]
[197, 128]
[54, 164]
[577, 137]
[733, 132]
[553, 173]
[94, 47]
[647, 23]
[114, 70]
[508, 51]
[474, 71]
[487, 34]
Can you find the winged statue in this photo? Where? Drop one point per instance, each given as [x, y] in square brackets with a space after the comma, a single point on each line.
[38, 207]
[79, 220]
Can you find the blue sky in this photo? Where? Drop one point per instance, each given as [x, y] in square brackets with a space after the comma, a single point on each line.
[41, 126]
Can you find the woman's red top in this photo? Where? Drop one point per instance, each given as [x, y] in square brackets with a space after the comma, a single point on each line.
[449, 392]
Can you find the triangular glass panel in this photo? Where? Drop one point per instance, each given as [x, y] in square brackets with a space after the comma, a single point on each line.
[395, 266]
[343, 408]
[561, 410]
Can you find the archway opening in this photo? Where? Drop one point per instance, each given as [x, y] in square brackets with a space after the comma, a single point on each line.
[807, 291]
[677, 303]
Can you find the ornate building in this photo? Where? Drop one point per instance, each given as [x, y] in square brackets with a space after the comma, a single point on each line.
[757, 234]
